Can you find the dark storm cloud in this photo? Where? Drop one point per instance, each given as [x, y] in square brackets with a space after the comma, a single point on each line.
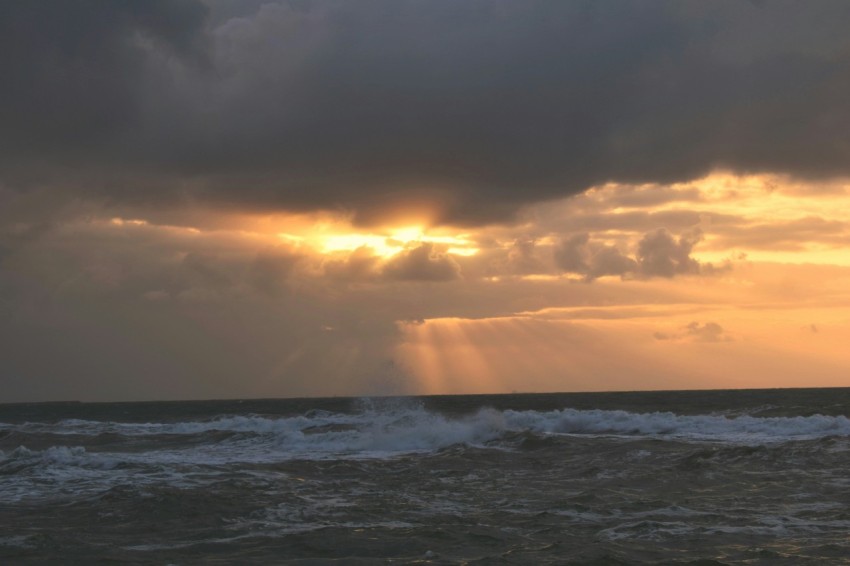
[478, 107]
[73, 73]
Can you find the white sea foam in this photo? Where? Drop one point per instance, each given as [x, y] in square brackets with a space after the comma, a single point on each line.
[201, 453]
[375, 432]
[386, 431]
[601, 475]
[698, 427]
[56, 471]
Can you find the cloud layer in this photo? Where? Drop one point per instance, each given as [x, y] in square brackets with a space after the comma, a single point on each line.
[209, 198]
[468, 110]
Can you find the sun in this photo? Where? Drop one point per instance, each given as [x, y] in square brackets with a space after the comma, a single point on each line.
[333, 239]
[379, 244]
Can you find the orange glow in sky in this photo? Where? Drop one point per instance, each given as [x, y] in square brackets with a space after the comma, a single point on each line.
[773, 310]
[331, 239]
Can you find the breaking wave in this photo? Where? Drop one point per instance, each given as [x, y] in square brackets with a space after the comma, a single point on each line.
[381, 430]
[531, 480]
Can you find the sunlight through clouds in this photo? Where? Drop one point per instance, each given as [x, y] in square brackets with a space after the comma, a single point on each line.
[215, 198]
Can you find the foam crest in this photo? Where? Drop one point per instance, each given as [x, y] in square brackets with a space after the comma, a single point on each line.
[385, 428]
[708, 427]
[413, 431]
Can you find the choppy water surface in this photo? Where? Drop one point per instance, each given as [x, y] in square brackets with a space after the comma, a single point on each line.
[676, 477]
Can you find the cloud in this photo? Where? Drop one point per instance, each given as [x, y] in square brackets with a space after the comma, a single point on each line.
[204, 119]
[359, 266]
[660, 255]
[608, 260]
[696, 332]
[523, 258]
[470, 109]
[578, 254]
[422, 263]
[201, 270]
[75, 74]
[103, 310]
[573, 254]
[643, 196]
[16, 235]
[271, 270]
[708, 332]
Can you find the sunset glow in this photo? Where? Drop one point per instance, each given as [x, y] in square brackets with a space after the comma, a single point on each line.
[425, 281]
[392, 242]
[765, 297]
[291, 199]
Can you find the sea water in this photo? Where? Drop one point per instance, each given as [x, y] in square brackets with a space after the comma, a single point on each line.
[708, 477]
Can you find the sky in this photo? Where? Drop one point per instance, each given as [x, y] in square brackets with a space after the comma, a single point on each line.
[243, 199]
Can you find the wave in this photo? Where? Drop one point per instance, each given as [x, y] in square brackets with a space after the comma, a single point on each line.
[380, 430]
[742, 428]
[54, 456]
[89, 456]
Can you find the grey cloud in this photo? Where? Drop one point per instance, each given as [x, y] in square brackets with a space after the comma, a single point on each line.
[708, 332]
[202, 270]
[696, 332]
[608, 260]
[361, 265]
[422, 263]
[96, 311]
[572, 254]
[651, 196]
[479, 107]
[15, 235]
[604, 219]
[271, 270]
[523, 257]
[661, 255]
[73, 73]
[578, 254]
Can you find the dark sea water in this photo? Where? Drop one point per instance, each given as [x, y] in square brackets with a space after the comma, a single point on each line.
[718, 477]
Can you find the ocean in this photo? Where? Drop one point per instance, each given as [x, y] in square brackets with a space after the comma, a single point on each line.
[689, 477]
